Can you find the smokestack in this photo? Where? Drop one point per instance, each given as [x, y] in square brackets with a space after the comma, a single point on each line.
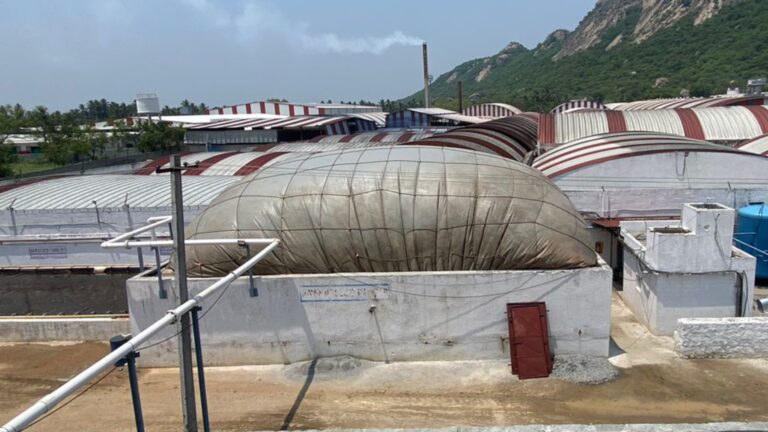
[461, 97]
[426, 75]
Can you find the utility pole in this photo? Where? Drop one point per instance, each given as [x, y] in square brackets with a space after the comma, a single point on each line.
[188, 410]
[426, 74]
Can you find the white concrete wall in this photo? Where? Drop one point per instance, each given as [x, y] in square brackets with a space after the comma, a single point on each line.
[83, 252]
[61, 329]
[722, 338]
[680, 170]
[416, 316]
[644, 200]
[705, 246]
[658, 300]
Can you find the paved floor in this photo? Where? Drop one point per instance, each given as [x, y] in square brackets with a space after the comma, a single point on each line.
[654, 387]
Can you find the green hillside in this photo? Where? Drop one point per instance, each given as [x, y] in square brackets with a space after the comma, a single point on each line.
[698, 59]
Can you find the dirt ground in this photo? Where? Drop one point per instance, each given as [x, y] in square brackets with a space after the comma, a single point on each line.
[654, 387]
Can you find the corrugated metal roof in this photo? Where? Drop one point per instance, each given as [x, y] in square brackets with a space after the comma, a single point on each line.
[190, 159]
[293, 109]
[510, 137]
[424, 117]
[380, 118]
[491, 110]
[280, 123]
[522, 128]
[378, 136]
[758, 145]
[189, 120]
[578, 105]
[656, 104]
[728, 124]
[110, 191]
[322, 147]
[737, 123]
[600, 148]
[484, 141]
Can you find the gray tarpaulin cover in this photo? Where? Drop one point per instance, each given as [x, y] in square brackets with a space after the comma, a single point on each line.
[392, 209]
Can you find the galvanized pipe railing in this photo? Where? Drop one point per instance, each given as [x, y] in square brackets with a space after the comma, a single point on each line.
[57, 396]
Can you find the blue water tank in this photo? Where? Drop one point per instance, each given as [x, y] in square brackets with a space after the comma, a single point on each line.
[752, 235]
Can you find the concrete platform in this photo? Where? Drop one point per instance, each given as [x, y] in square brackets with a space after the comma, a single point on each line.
[656, 390]
[408, 316]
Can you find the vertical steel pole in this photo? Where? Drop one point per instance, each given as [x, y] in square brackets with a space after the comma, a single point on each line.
[200, 368]
[133, 377]
[426, 74]
[139, 250]
[188, 410]
[134, 381]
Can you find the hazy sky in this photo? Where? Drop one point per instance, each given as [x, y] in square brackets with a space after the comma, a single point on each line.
[60, 53]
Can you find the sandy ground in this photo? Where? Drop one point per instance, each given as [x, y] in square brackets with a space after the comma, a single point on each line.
[654, 387]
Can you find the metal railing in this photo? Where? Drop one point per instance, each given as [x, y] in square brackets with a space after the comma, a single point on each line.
[54, 398]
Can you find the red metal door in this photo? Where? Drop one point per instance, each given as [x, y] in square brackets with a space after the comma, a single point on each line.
[529, 340]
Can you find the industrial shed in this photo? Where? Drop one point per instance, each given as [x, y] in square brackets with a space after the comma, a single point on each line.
[642, 173]
[381, 136]
[725, 124]
[579, 105]
[510, 137]
[253, 131]
[293, 109]
[96, 204]
[429, 117]
[758, 145]
[491, 110]
[675, 103]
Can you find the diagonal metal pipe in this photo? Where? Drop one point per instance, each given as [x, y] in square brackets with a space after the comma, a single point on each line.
[49, 401]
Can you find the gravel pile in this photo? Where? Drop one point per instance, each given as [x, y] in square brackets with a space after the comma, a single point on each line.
[581, 369]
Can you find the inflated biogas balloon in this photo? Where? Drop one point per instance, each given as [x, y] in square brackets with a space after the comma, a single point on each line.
[393, 209]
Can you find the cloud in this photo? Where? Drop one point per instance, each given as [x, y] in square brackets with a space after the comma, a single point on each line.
[255, 21]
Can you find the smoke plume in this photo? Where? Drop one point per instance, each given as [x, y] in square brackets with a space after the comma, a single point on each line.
[256, 22]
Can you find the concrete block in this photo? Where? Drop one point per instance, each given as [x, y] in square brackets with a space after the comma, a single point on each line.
[722, 337]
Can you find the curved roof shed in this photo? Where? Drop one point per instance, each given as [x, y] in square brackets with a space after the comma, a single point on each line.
[726, 124]
[758, 145]
[650, 160]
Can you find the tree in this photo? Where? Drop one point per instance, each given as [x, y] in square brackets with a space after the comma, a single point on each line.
[159, 136]
[12, 119]
[7, 158]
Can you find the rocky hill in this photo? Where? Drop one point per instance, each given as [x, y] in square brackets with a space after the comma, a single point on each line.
[623, 49]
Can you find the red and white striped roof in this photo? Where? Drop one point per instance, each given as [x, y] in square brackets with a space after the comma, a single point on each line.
[578, 105]
[380, 118]
[481, 140]
[758, 145]
[423, 117]
[737, 123]
[293, 109]
[491, 110]
[218, 163]
[391, 137]
[510, 137]
[657, 104]
[333, 125]
[279, 123]
[596, 149]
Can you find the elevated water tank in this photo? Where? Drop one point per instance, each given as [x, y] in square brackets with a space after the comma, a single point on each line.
[752, 235]
[147, 104]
